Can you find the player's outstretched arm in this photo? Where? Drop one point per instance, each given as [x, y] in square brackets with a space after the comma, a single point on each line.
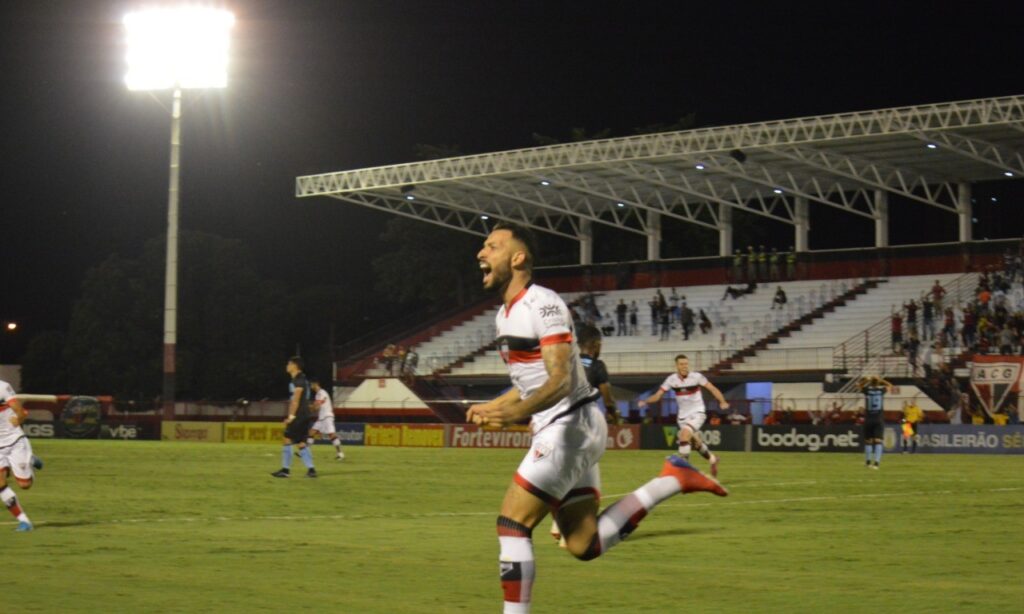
[715, 392]
[20, 413]
[654, 398]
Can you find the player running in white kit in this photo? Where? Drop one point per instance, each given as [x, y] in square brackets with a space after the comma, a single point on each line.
[686, 385]
[15, 454]
[324, 425]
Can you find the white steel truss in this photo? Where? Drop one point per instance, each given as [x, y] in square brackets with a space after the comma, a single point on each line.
[842, 161]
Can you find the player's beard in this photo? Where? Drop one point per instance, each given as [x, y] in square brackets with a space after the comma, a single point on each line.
[498, 277]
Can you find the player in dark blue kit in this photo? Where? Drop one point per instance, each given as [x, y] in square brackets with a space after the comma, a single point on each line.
[298, 421]
[874, 389]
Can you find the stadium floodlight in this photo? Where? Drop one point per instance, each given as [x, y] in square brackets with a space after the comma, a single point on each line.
[182, 47]
[176, 48]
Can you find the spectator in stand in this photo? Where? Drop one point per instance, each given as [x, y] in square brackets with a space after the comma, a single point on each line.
[607, 327]
[705, 323]
[633, 317]
[984, 296]
[969, 329]
[762, 264]
[937, 293]
[751, 263]
[664, 320]
[774, 262]
[737, 266]
[686, 321]
[911, 310]
[791, 263]
[780, 298]
[399, 359]
[388, 357]
[655, 312]
[412, 360]
[928, 319]
[1006, 340]
[913, 345]
[620, 315]
[948, 327]
[896, 326]
[673, 300]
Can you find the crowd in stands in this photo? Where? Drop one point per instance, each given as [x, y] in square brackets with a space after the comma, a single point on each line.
[397, 360]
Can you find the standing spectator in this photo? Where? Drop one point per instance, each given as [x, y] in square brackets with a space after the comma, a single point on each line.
[686, 320]
[655, 312]
[633, 317]
[911, 309]
[774, 262]
[948, 327]
[400, 354]
[388, 357]
[737, 266]
[1006, 339]
[937, 293]
[751, 263]
[780, 298]
[791, 263]
[620, 316]
[663, 318]
[913, 346]
[673, 300]
[412, 360]
[970, 328]
[897, 330]
[928, 318]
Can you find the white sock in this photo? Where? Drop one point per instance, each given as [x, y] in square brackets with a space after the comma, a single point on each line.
[10, 500]
[703, 450]
[619, 519]
[684, 451]
[516, 565]
[310, 441]
[337, 445]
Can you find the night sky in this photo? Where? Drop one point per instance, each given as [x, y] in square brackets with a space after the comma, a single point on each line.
[320, 86]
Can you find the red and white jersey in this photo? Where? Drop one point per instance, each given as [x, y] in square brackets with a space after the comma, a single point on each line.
[8, 432]
[537, 317]
[687, 390]
[324, 404]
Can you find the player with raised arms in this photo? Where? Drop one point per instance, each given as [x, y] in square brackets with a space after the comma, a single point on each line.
[15, 454]
[874, 389]
[560, 471]
[691, 412]
[324, 425]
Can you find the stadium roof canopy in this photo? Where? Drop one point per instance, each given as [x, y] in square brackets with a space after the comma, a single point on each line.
[776, 169]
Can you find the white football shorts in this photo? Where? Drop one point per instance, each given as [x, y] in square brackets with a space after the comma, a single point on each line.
[325, 426]
[694, 420]
[18, 458]
[561, 465]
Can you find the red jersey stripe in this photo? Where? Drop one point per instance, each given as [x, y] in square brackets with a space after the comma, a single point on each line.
[524, 356]
[559, 338]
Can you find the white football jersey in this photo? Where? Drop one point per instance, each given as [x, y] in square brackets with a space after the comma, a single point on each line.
[687, 391]
[324, 404]
[537, 317]
[8, 432]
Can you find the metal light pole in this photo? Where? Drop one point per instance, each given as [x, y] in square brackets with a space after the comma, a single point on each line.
[171, 276]
[176, 48]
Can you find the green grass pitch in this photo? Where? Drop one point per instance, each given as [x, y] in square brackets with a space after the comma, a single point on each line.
[177, 527]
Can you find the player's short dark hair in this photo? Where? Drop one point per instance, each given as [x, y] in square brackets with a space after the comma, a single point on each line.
[678, 356]
[525, 236]
[314, 380]
[587, 335]
[301, 364]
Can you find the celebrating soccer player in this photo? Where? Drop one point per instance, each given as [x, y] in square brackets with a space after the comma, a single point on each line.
[297, 422]
[560, 471]
[874, 389]
[691, 413]
[15, 454]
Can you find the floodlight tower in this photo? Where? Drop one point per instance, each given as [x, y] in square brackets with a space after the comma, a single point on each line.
[176, 48]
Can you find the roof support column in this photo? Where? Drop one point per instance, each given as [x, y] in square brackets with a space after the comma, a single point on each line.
[964, 211]
[586, 236]
[881, 218]
[802, 217]
[724, 230]
[653, 235]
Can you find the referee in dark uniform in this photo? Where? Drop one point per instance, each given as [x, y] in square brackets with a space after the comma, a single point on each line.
[297, 422]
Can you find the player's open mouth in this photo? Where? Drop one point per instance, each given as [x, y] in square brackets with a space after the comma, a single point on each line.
[486, 269]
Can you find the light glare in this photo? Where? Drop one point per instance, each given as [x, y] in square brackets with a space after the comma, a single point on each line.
[185, 47]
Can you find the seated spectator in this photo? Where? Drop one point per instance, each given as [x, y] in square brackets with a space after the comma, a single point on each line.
[732, 293]
[705, 322]
[780, 298]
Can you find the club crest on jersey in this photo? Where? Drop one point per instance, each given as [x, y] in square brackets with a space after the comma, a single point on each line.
[550, 311]
[540, 450]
